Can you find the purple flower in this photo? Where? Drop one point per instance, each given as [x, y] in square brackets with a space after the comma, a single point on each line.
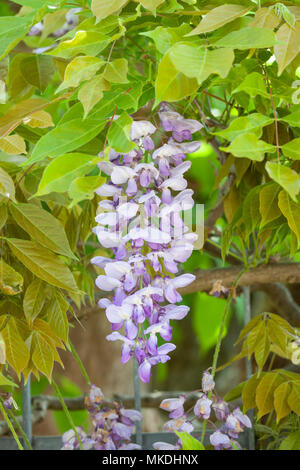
[220, 441]
[202, 408]
[174, 406]
[141, 223]
[208, 383]
[221, 410]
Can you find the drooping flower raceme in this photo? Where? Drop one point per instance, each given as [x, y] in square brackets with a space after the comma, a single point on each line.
[140, 221]
[113, 426]
[209, 407]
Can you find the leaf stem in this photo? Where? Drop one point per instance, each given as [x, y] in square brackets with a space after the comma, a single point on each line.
[67, 413]
[16, 438]
[220, 337]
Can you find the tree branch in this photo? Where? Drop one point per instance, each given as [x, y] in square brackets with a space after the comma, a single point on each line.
[286, 273]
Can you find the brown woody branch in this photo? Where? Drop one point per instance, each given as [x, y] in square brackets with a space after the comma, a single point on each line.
[285, 273]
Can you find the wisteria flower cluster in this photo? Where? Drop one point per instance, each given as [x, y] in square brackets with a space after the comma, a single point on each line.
[224, 437]
[113, 426]
[141, 222]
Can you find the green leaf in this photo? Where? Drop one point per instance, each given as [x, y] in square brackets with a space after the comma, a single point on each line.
[12, 30]
[286, 177]
[84, 187]
[42, 227]
[17, 353]
[293, 119]
[219, 16]
[151, 4]
[291, 211]
[268, 203]
[248, 38]
[116, 71]
[62, 171]
[253, 123]
[249, 391]
[292, 442]
[281, 405]
[251, 214]
[289, 47]
[5, 382]
[11, 282]
[253, 85]
[65, 138]
[13, 144]
[7, 187]
[164, 38]
[16, 114]
[3, 215]
[189, 442]
[265, 393]
[57, 317]
[119, 134]
[248, 145]
[200, 62]
[265, 18]
[292, 149]
[34, 299]
[37, 70]
[235, 392]
[102, 8]
[42, 356]
[172, 85]
[42, 263]
[294, 398]
[84, 42]
[90, 93]
[262, 351]
[81, 68]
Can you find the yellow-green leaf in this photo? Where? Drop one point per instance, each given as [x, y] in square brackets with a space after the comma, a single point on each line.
[291, 211]
[11, 282]
[268, 203]
[289, 48]
[17, 352]
[7, 187]
[281, 405]
[34, 300]
[13, 144]
[102, 8]
[294, 398]
[265, 18]
[248, 145]
[42, 355]
[90, 93]
[286, 177]
[116, 71]
[172, 85]
[79, 69]
[200, 62]
[43, 263]
[292, 149]
[43, 227]
[249, 391]
[40, 119]
[57, 316]
[265, 393]
[219, 16]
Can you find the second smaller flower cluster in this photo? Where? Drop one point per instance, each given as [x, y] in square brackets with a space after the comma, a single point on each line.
[113, 426]
[224, 436]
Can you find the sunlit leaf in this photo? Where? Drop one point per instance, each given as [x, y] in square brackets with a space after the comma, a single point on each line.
[49, 268]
